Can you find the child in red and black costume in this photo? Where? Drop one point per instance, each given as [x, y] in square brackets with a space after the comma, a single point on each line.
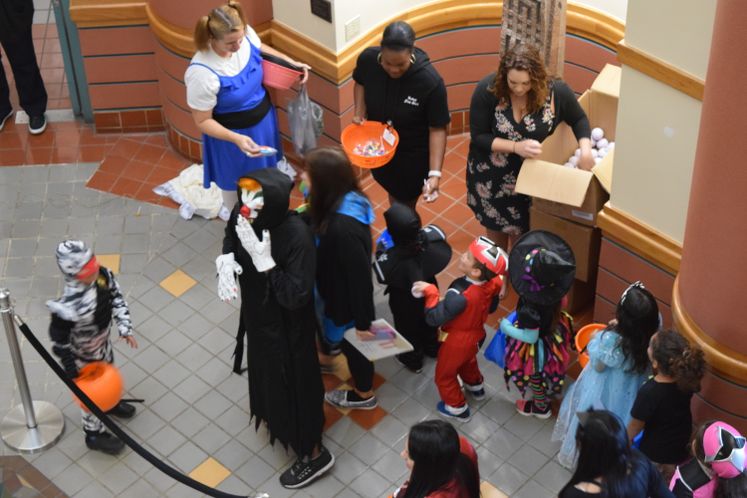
[462, 314]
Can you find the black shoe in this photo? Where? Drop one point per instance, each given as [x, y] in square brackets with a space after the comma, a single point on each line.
[104, 442]
[413, 366]
[5, 118]
[304, 471]
[37, 124]
[122, 410]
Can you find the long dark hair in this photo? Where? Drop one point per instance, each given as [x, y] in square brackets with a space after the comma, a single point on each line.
[637, 320]
[677, 358]
[331, 176]
[433, 446]
[736, 487]
[604, 452]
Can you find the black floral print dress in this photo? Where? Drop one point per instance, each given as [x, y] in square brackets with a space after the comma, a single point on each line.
[491, 176]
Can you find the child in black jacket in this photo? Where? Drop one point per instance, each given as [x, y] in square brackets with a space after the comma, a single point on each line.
[410, 253]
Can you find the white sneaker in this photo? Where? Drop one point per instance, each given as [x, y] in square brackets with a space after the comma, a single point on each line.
[7, 116]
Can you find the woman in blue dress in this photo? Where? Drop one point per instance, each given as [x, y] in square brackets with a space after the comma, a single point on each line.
[618, 366]
[228, 102]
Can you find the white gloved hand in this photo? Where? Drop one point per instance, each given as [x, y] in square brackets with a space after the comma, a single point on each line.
[227, 269]
[258, 250]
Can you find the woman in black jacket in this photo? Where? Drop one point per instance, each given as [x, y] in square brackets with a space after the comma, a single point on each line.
[341, 216]
[397, 83]
[512, 111]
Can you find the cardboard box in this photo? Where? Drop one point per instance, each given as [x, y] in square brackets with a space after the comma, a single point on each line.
[585, 241]
[569, 193]
[607, 81]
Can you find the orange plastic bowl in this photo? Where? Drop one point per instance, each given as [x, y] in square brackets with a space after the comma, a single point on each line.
[101, 382]
[583, 336]
[277, 76]
[359, 134]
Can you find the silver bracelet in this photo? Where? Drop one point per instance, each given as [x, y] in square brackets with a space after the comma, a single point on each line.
[435, 172]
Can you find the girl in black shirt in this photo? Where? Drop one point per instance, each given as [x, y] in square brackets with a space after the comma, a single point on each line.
[662, 405]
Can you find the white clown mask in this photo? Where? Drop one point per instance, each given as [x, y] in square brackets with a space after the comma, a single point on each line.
[252, 198]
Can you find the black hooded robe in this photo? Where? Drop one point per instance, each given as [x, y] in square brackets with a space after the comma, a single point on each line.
[277, 308]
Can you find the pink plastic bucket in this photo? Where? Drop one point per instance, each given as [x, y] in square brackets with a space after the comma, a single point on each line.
[277, 76]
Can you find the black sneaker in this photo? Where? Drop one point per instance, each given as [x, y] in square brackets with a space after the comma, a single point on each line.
[122, 410]
[104, 442]
[5, 118]
[37, 124]
[477, 391]
[306, 470]
[527, 408]
[413, 366]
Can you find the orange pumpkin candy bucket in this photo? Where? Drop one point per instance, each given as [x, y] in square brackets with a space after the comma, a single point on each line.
[102, 382]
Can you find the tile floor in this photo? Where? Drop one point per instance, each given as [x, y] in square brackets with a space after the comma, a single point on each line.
[71, 182]
[196, 411]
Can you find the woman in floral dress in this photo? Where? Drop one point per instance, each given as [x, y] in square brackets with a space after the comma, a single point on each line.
[512, 111]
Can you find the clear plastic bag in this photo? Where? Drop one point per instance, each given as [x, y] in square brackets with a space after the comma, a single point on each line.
[305, 118]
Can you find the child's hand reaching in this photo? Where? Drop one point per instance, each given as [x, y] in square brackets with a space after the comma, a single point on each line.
[130, 340]
[418, 288]
[365, 335]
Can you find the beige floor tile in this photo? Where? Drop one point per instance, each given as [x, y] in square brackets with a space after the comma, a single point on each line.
[178, 283]
[110, 261]
[210, 472]
[487, 490]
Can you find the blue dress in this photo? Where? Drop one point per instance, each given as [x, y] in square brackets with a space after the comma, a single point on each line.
[613, 389]
[224, 162]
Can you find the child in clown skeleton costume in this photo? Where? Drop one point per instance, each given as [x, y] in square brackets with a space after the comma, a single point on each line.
[276, 276]
[79, 330]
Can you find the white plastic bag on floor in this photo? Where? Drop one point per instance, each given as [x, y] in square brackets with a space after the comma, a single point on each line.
[187, 191]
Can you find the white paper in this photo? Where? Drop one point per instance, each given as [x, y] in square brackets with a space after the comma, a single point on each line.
[388, 137]
[378, 349]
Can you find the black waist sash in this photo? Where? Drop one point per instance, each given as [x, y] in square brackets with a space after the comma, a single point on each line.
[245, 119]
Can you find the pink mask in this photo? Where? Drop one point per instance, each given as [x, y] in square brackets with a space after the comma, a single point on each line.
[724, 449]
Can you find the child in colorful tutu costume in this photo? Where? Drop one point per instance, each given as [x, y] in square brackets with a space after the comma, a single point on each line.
[542, 268]
[618, 366]
[462, 314]
[718, 466]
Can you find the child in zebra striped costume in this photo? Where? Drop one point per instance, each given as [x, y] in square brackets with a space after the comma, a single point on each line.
[80, 325]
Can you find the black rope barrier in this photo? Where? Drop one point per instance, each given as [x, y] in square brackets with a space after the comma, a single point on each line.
[112, 426]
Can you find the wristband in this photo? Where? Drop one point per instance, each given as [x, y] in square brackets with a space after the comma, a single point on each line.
[435, 172]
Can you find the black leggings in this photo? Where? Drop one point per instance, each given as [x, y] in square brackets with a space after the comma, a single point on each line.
[360, 367]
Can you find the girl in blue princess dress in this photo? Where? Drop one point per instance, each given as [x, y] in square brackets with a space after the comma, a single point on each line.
[618, 365]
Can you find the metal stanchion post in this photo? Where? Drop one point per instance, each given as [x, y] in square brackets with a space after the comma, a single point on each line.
[33, 425]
